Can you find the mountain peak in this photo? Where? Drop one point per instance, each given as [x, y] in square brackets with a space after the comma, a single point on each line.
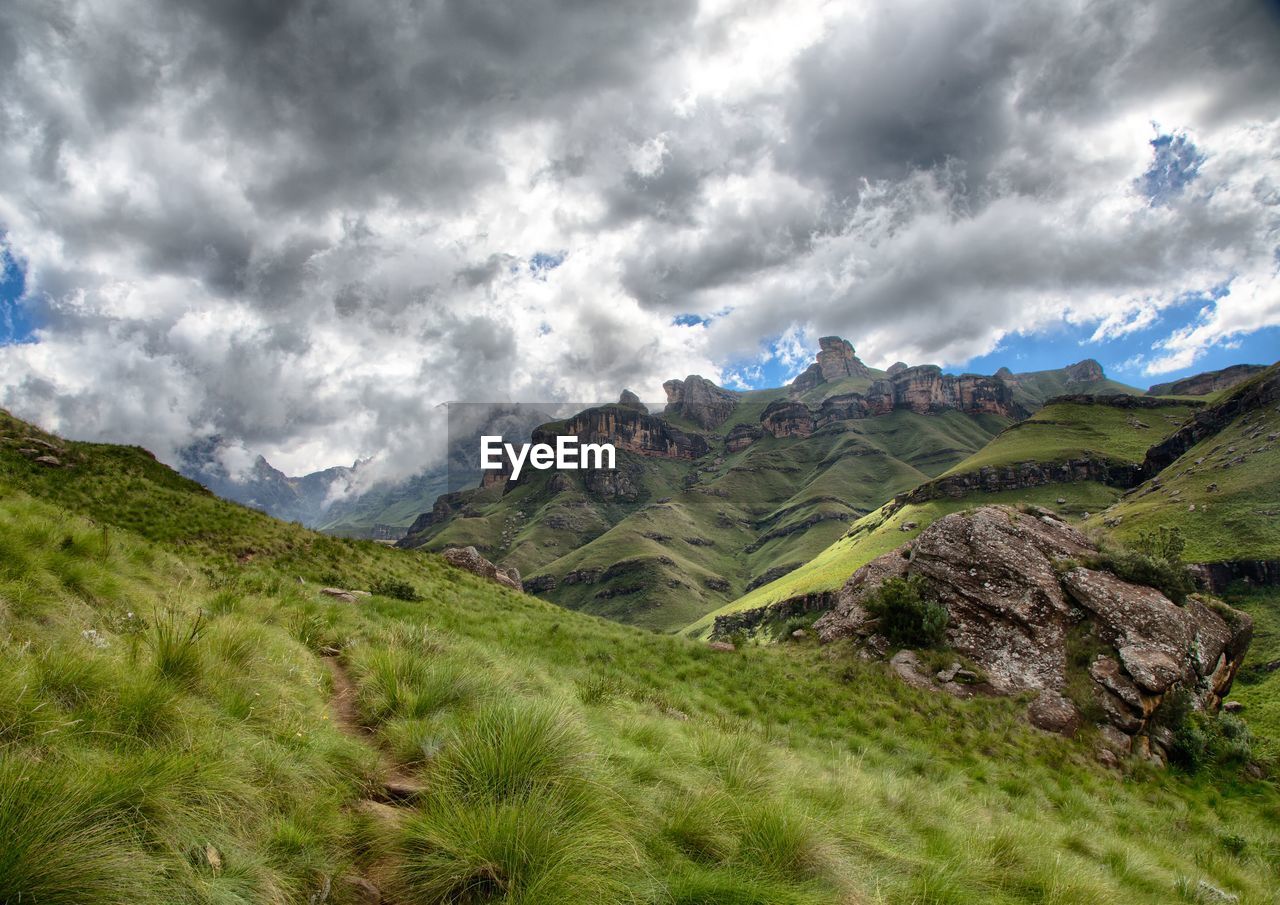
[1086, 371]
[630, 400]
[836, 361]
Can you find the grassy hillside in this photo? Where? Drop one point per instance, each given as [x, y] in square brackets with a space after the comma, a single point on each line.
[1060, 432]
[184, 720]
[1033, 388]
[1258, 687]
[1064, 431]
[701, 533]
[1222, 494]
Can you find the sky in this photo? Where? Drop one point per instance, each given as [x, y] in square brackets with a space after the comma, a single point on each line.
[298, 226]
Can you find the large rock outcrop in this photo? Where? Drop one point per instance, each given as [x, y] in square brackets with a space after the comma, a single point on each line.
[1022, 602]
[926, 390]
[629, 430]
[630, 400]
[836, 361]
[787, 418]
[700, 400]
[1087, 371]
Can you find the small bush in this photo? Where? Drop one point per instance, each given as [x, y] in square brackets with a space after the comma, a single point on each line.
[396, 589]
[1154, 561]
[782, 843]
[907, 619]
[1204, 740]
[537, 851]
[701, 826]
[1166, 542]
[1170, 579]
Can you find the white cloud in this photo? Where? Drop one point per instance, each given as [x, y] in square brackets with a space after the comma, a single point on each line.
[302, 233]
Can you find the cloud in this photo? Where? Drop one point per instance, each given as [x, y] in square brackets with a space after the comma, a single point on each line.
[300, 226]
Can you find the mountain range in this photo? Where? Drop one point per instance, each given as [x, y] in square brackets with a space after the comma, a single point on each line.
[723, 492]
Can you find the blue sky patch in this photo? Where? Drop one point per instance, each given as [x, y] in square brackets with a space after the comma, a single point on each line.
[544, 261]
[16, 325]
[690, 320]
[1175, 164]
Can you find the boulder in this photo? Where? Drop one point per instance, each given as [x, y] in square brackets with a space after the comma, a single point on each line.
[339, 594]
[1015, 587]
[470, 560]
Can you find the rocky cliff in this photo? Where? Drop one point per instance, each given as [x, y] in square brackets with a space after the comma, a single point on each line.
[700, 400]
[926, 390]
[1208, 382]
[1028, 607]
[629, 430]
[1087, 371]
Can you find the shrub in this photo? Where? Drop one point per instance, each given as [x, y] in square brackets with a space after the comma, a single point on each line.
[1168, 578]
[1205, 739]
[1166, 542]
[782, 843]
[1155, 561]
[906, 618]
[396, 589]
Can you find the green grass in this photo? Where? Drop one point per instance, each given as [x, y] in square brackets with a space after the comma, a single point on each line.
[1033, 388]
[1065, 431]
[1258, 688]
[565, 758]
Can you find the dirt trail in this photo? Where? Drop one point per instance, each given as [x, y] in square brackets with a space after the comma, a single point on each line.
[398, 786]
[398, 791]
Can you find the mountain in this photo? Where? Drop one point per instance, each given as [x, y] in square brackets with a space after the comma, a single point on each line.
[1208, 382]
[1123, 465]
[327, 500]
[724, 491]
[1033, 388]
